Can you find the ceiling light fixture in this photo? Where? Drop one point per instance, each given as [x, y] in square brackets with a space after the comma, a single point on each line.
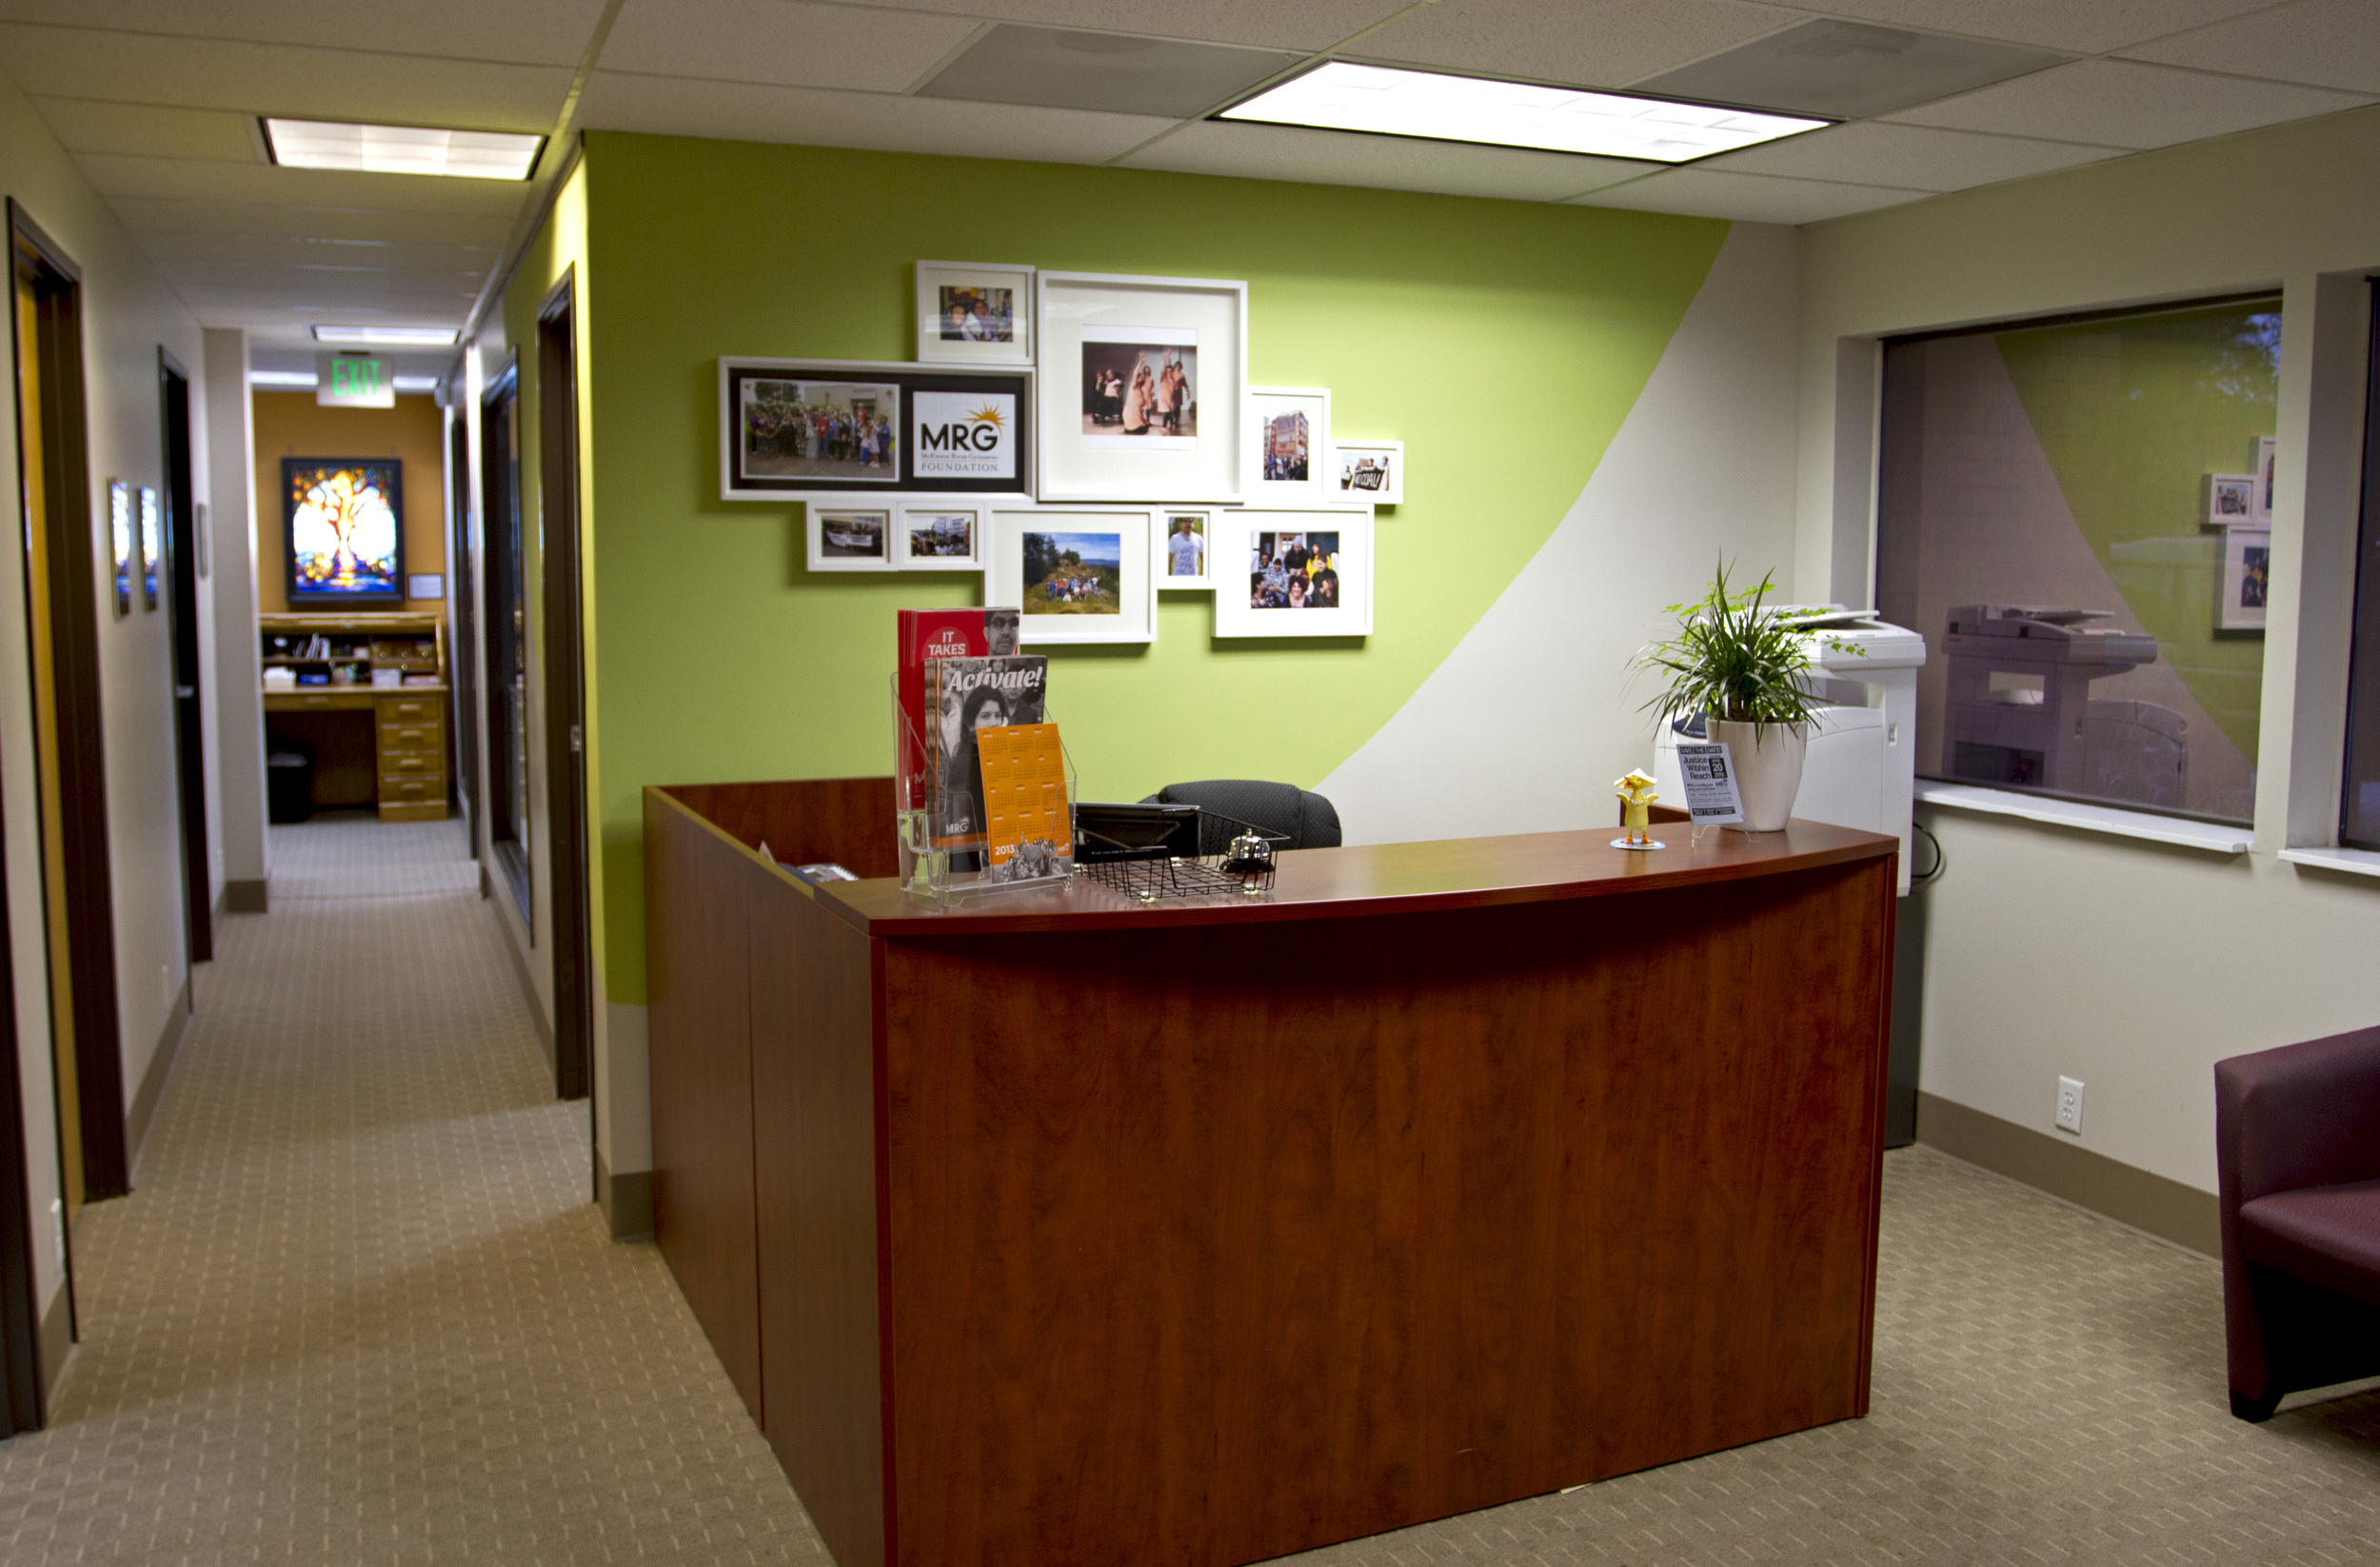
[402, 148]
[416, 337]
[1338, 96]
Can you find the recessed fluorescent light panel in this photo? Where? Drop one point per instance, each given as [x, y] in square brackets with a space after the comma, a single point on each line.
[1340, 96]
[416, 337]
[402, 148]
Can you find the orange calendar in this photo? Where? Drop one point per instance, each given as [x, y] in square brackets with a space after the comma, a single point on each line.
[1025, 791]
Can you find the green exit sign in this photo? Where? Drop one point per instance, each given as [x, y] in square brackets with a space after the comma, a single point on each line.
[354, 381]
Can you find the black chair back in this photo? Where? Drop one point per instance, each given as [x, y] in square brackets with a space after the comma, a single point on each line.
[1305, 818]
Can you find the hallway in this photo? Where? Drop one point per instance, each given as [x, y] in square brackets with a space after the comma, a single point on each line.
[359, 1308]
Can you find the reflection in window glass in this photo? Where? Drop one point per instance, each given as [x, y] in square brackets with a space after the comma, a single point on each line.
[2359, 804]
[2077, 514]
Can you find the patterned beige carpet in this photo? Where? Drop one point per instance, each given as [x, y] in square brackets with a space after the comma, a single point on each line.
[360, 1312]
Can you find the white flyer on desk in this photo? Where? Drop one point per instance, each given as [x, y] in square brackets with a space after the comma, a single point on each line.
[1710, 774]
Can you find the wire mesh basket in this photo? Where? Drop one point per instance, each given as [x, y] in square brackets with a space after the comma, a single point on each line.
[1227, 863]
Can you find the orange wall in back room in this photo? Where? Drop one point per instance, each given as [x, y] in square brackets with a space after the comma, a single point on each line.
[292, 424]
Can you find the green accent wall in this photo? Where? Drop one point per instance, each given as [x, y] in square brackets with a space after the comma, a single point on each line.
[2134, 414]
[1502, 341]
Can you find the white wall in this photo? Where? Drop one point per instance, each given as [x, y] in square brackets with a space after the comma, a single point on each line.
[2131, 966]
[236, 717]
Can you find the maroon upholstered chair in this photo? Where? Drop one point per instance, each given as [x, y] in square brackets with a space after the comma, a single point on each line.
[2297, 1142]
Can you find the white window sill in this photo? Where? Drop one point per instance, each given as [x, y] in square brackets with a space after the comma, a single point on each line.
[2362, 861]
[2210, 835]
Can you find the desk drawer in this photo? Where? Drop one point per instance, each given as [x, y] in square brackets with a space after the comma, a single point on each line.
[411, 737]
[412, 764]
[408, 712]
[400, 789]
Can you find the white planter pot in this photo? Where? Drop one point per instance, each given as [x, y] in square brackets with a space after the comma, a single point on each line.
[1768, 761]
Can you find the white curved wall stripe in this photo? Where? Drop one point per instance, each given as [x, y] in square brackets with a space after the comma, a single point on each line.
[1525, 723]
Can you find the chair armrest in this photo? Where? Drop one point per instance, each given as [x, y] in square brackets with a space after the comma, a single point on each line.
[2305, 1115]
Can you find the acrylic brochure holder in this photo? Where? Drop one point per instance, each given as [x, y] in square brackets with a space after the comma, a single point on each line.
[943, 853]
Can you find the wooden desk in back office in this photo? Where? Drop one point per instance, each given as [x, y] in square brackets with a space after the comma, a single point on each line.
[1065, 1230]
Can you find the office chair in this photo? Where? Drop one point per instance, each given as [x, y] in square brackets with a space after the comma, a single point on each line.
[1307, 820]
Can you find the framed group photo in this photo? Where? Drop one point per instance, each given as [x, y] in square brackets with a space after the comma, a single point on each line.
[1142, 384]
[1079, 574]
[1289, 448]
[2231, 499]
[842, 536]
[974, 313]
[1293, 573]
[792, 428]
[1372, 471]
[939, 536]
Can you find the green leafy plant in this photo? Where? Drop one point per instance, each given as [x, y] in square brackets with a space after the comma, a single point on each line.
[1734, 660]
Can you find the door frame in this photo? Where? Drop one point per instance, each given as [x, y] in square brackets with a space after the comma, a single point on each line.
[189, 745]
[462, 656]
[558, 515]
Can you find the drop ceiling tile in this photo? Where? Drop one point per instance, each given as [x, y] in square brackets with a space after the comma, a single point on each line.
[1593, 43]
[174, 250]
[673, 106]
[2086, 27]
[2116, 103]
[188, 179]
[1068, 68]
[152, 220]
[1750, 198]
[313, 298]
[1913, 157]
[271, 79]
[552, 32]
[1271, 24]
[782, 41]
[2323, 43]
[1389, 162]
[291, 283]
[1846, 70]
[86, 125]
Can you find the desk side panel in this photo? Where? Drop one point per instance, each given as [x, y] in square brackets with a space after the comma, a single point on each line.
[1225, 1243]
[848, 821]
[698, 982]
[814, 1150]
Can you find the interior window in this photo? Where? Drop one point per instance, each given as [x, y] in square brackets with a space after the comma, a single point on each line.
[506, 633]
[2359, 808]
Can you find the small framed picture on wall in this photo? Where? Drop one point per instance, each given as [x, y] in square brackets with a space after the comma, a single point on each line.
[1370, 470]
[2240, 585]
[1289, 447]
[974, 313]
[1079, 574]
[153, 546]
[2231, 499]
[1185, 553]
[935, 537]
[848, 538]
[2260, 510]
[1293, 573]
[120, 526]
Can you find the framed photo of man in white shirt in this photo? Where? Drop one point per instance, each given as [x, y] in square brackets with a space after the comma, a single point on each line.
[1184, 560]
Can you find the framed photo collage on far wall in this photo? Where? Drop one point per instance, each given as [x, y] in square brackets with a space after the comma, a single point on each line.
[1083, 441]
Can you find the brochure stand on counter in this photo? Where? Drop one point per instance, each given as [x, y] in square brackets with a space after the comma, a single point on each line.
[968, 831]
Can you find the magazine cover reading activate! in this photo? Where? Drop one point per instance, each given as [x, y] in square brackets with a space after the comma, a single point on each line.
[972, 694]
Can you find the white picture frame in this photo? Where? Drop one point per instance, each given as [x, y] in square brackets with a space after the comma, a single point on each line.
[941, 285]
[826, 531]
[1368, 472]
[1280, 419]
[2243, 584]
[929, 523]
[1201, 523]
[1131, 529]
[1095, 325]
[2231, 499]
[928, 407]
[1238, 536]
[2260, 504]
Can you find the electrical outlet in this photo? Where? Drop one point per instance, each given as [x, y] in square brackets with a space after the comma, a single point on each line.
[2070, 1105]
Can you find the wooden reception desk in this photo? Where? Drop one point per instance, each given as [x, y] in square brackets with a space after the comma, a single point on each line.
[1065, 1230]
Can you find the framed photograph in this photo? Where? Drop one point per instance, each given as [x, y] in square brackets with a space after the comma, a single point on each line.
[1369, 470]
[1293, 573]
[935, 537]
[845, 538]
[974, 313]
[2240, 585]
[1289, 447]
[792, 428]
[1141, 384]
[153, 546]
[120, 526]
[1184, 549]
[343, 541]
[2231, 499]
[2261, 511]
[1081, 574]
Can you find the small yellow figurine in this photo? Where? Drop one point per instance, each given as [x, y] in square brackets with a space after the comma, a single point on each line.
[1635, 797]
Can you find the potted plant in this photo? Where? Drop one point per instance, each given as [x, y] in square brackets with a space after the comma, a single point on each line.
[1738, 666]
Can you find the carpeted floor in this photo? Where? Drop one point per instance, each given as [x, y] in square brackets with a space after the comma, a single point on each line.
[360, 1312]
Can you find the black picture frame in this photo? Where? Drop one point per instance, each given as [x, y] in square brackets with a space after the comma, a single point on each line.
[1005, 390]
[300, 473]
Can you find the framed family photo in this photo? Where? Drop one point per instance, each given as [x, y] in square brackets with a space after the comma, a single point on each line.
[1289, 448]
[793, 428]
[974, 313]
[848, 538]
[1184, 549]
[1141, 381]
[2240, 585]
[1369, 471]
[1079, 574]
[1293, 574]
[939, 537]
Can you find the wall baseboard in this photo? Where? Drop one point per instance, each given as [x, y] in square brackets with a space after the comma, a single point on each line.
[626, 1200]
[528, 984]
[153, 1080]
[245, 897]
[57, 1347]
[2151, 1203]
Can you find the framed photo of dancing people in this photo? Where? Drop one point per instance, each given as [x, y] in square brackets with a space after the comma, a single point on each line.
[974, 313]
[1080, 573]
[1141, 383]
[1293, 573]
[793, 428]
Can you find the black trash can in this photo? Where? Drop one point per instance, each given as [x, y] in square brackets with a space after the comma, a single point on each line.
[290, 781]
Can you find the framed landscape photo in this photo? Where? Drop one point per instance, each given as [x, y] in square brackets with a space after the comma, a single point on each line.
[1289, 447]
[939, 537]
[1293, 573]
[974, 313]
[1141, 381]
[2241, 583]
[1185, 549]
[1369, 471]
[1081, 574]
[2231, 499]
[793, 428]
[848, 538]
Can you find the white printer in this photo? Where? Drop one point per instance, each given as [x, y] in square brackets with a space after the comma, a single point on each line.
[1862, 766]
